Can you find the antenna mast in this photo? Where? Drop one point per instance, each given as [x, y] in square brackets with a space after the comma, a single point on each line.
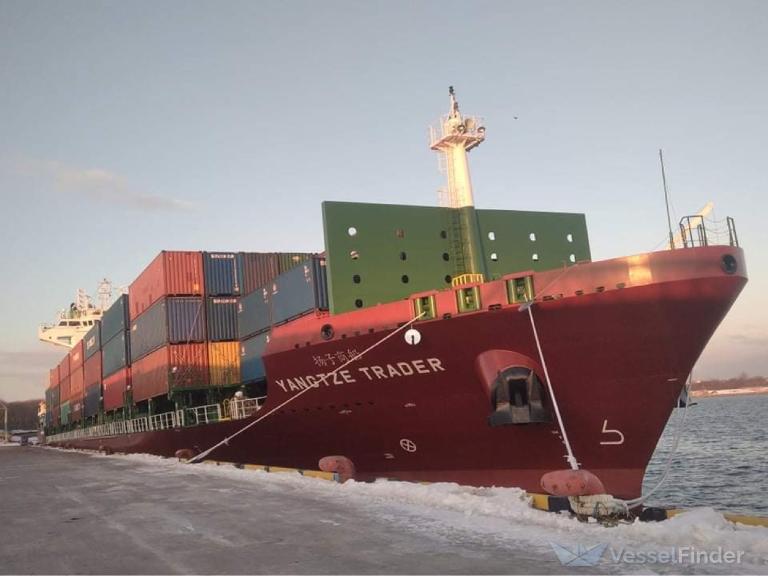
[666, 200]
[105, 294]
[453, 138]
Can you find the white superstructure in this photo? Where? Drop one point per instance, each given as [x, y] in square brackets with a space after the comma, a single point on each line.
[72, 324]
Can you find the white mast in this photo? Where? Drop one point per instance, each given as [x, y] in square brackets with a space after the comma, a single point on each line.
[456, 136]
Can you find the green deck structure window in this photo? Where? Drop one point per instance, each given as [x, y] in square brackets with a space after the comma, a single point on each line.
[425, 307]
[468, 299]
[520, 290]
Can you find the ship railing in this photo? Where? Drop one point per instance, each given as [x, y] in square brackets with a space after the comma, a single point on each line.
[138, 425]
[204, 414]
[695, 231]
[244, 407]
[162, 421]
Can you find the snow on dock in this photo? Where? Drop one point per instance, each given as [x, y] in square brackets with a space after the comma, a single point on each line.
[72, 512]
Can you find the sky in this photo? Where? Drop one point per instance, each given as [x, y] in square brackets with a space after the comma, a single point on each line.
[132, 127]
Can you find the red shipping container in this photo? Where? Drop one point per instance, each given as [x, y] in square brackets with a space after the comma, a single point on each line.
[169, 274]
[149, 375]
[64, 368]
[53, 379]
[259, 269]
[171, 367]
[92, 371]
[76, 357]
[64, 390]
[115, 387]
[76, 386]
[189, 366]
[76, 411]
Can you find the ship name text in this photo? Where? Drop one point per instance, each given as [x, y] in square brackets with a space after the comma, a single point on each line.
[370, 373]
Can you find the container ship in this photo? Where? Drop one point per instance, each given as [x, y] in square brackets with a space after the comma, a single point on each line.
[424, 343]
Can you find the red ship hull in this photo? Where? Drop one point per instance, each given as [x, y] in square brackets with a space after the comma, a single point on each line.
[619, 338]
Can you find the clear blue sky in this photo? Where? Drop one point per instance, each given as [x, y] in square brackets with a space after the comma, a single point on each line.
[129, 127]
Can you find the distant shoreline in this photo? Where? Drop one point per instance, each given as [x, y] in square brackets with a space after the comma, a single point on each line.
[730, 392]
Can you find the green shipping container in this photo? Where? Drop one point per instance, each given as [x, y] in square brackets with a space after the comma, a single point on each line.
[288, 260]
[65, 413]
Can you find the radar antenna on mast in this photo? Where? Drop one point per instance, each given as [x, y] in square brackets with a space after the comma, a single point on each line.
[105, 294]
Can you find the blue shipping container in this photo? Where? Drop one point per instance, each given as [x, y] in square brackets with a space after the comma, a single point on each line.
[115, 319]
[251, 358]
[300, 290]
[223, 273]
[92, 402]
[253, 313]
[115, 354]
[149, 331]
[48, 407]
[222, 319]
[92, 340]
[186, 319]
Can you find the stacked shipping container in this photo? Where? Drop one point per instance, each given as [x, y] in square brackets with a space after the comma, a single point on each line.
[52, 398]
[167, 320]
[115, 354]
[169, 274]
[191, 320]
[76, 381]
[223, 286]
[299, 289]
[92, 371]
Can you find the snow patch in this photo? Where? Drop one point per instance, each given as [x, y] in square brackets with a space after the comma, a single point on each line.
[503, 514]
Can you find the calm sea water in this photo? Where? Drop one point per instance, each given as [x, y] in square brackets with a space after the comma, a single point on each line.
[722, 458]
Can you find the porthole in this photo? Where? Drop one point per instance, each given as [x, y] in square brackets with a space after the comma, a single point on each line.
[403, 256]
[356, 278]
[443, 234]
[358, 303]
[730, 265]
[569, 237]
[491, 236]
[572, 257]
[354, 254]
[446, 256]
[400, 233]
[326, 332]
[535, 257]
[448, 278]
[532, 236]
[494, 257]
[352, 231]
[404, 278]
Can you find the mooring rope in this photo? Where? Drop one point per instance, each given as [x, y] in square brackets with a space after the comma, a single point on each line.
[641, 499]
[292, 398]
[570, 457]
[627, 504]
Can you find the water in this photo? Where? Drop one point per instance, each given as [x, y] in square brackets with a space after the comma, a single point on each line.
[722, 458]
